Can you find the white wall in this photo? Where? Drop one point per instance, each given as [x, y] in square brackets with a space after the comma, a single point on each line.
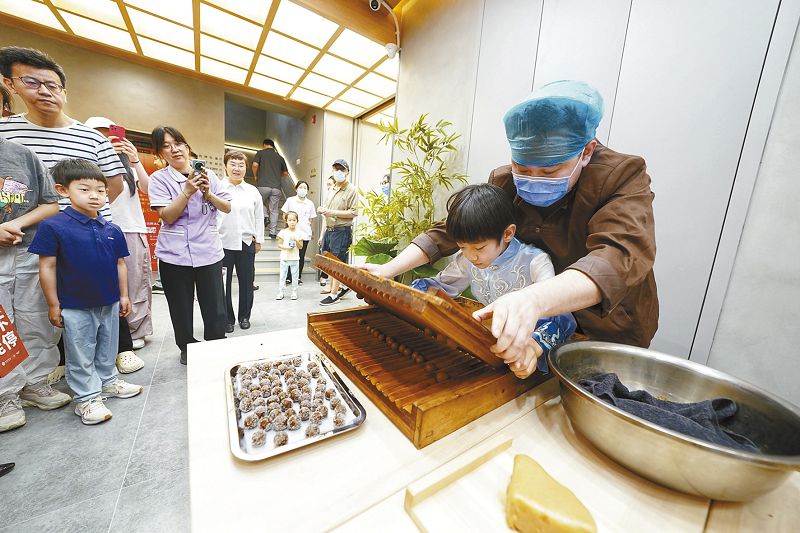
[679, 81]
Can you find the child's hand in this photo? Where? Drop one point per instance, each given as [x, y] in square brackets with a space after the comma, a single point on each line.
[54, 314]
[124, 306]
[299, 245]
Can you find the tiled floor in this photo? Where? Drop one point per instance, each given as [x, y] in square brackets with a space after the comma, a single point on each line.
[131, 473]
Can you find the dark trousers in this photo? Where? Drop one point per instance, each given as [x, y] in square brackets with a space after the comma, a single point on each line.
[302, 260]
[244, 261]
[179, 284]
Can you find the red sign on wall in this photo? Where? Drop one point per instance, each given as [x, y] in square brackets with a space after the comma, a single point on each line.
[12, 351]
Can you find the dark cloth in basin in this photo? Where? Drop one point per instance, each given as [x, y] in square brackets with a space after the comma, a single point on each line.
[703, 420]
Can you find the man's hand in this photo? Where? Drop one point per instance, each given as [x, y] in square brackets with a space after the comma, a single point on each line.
[376, 270]
[514, 316]
[124, 306]
[323, 211]
[10, 234]
[54, 314]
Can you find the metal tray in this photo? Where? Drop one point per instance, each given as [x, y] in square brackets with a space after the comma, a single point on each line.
[240, 437]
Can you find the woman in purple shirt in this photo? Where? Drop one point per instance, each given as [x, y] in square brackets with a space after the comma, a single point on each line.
[188, 249]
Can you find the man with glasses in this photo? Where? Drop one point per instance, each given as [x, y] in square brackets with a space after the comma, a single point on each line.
[41, 84]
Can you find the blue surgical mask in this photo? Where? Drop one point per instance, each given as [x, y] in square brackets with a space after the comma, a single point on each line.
[339, 176]
[386, 189]
[541, 191]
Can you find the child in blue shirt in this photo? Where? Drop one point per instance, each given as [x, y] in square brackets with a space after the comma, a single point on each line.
[492, 262]
[84, 281]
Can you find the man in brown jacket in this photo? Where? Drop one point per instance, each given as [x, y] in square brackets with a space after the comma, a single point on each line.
[588, 206]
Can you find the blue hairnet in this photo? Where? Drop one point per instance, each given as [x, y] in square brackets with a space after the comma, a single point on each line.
[554, 123]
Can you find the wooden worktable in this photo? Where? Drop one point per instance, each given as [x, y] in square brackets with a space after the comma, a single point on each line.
[356, 481]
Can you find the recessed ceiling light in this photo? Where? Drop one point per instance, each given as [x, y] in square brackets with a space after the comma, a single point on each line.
[230, 53]
[101, 33]
[31, 11]
[222, 70]
[255, 10]
[157, 28]
[309, 97]
[176, 10]
[303, 24]
[268, 84]
[337, 69]
[233, 29]
[289, 50]
[323, 85]
[389, 67]
[377, 84]
[100, 10]
[166, 53]
[344, 108]
[357, 48]
[278, 69]
[359, 97]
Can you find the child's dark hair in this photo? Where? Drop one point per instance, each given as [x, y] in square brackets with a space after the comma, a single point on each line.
[296, 216]
[302, 182]
[68, 170]
[11, 55]
[479, 212]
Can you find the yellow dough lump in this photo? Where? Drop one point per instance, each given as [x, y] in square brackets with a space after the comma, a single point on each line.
[537, 503]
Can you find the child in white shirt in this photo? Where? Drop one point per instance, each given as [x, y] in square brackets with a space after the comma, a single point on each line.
[290, 241]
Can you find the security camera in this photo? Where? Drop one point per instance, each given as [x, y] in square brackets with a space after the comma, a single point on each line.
[391, 50]
[375, 5]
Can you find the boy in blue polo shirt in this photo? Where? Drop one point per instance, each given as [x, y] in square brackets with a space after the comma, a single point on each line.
[85, 283]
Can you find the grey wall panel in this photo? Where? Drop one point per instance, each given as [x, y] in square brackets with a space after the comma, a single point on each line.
[688, 81]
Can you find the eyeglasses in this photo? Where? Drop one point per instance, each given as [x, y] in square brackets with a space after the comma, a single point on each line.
[33, 83]
[171, 147]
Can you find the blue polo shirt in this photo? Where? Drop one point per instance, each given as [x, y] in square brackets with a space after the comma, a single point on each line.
[86, 252]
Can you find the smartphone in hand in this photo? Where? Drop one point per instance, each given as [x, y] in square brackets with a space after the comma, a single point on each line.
[116, 131]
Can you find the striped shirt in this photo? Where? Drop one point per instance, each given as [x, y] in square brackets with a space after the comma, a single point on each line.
[75, 141]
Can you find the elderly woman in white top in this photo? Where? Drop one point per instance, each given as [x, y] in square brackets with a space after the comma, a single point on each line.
[242, 233]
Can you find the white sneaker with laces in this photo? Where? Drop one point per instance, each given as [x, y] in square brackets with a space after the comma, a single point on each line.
[93, 411]
[138, 344]
[121, 389]
[128, 362]
[43, 396]
[279, 296]
[11, 413]
[56, 375]
[294, 295]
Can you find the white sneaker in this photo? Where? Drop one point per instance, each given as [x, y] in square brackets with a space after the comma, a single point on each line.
[11, 413]
[43, 396]
[56, 375]
[128, 362]
[121, 389]
[138, 344]
[93, 411]
[294, 295]
[279, 296]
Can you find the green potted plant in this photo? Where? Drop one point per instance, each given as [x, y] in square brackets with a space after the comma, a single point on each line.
[411, 207]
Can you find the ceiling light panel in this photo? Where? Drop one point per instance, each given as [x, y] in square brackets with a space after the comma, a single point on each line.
[289, 50]
[357, 49]
[269, 85]
[230, 53]
[303, 24]
[337, 69]
[175, 10]
[309, 97]
[166, 53]
[222, 70]
[323, 85]
[255, 10]
[161, 30]
[377, 84]
[344, 108]
[228, 27]
[389, 67]
[101, 10]
[359, 97]
[278, 69]
[101, 33]
[31, 11]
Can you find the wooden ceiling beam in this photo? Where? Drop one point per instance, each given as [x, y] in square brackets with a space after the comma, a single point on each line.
[357, 16]
[262, 39]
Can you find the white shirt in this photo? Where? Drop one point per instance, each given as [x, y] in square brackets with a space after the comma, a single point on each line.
[245, 222]
[127, 210]
[305, 212]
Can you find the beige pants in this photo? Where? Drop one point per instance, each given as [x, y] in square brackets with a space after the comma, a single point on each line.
[22, 298]
[139, 285]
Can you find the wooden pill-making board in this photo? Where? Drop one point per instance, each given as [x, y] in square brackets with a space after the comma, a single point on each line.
[414, 355]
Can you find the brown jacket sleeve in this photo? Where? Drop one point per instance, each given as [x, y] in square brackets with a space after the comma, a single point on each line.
[620, 237]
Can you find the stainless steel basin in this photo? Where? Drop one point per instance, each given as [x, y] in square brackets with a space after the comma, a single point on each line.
[666, 457]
